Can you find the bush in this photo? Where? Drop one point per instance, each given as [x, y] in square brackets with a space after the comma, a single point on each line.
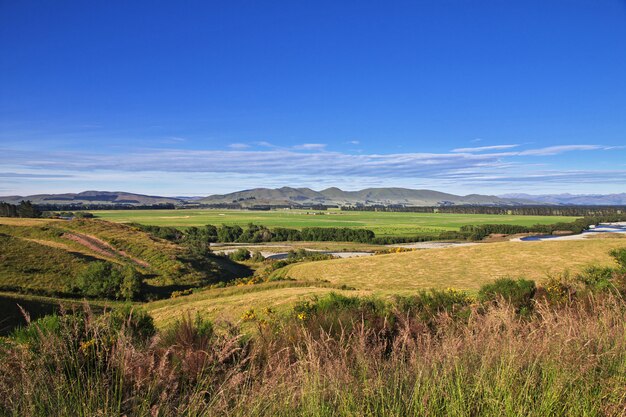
[596, 278]
[103, 280]
[137, 323]
[620, 257]
[519, 293]
[240, 255]
[427, 304]
[257, 257]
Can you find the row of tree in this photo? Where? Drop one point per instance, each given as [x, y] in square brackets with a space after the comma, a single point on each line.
[200, 238]
[534, 210]
[254, 233]
[23, 209]
[479, 232]
[97, 206]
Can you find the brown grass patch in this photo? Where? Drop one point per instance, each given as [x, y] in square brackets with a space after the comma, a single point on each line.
[466, 267]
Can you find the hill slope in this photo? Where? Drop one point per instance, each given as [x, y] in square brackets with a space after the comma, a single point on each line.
[466, 267]
[368, 196]
[574, 199]
[42, 256]
[92, 197]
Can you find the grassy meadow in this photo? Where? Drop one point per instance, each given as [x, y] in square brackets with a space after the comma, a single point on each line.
[44, 256]
[464, 267]
[340, 337]
[381, 223]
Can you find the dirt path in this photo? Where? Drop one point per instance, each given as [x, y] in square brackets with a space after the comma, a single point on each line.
[101, 247]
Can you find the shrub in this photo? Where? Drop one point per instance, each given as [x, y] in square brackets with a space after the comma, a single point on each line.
[137, 323]
[519, 293]
[596, 278]
[103, 280]
[130, 287]
[557, 289]
[427, 304]
[240, 255]
[257, 257]
[620, 257]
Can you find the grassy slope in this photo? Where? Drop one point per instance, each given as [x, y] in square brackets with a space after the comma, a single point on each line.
[460, 267]
[230, 303]
[37, 255]
[32, 266]
[465, 267]
[383, 224]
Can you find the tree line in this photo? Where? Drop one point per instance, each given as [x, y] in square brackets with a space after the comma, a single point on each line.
[81, 206]
[23, 209]
[479, 232]
[253, 233]
[533, 210]
[200, 238]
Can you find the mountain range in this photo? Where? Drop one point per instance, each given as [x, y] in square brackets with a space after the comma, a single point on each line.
[368, 196]
[93, 197]
[330, 196]
[574, 199]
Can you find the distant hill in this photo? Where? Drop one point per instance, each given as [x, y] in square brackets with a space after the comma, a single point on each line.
[93, 197]
[574, 199]
[368, 196]
[330, 196]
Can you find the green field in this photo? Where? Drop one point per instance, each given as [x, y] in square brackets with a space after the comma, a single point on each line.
[382, 223]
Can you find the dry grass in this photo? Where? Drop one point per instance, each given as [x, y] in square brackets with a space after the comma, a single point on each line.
[567, 360]
[231, 303]
[14, 221]
[466, 267]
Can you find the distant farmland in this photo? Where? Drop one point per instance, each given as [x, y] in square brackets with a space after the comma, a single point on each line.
[382, 223]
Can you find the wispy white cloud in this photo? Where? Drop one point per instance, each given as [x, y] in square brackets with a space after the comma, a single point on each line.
[238, 146]
[275, 160]
[484, 148]
[310, 147]
[554, 150]
[305, 166]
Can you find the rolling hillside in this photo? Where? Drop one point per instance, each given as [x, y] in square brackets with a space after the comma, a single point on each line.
[92, 197]
[40, 256]
[369, 196]
[465, 268]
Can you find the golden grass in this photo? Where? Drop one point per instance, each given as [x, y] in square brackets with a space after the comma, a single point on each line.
[465, 267]
[230, 303]
[14, 221]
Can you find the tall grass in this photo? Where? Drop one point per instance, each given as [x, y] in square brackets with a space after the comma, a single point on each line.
[338, 356]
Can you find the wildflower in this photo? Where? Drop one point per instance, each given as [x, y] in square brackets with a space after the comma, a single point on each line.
[85, 346]
[248, 315]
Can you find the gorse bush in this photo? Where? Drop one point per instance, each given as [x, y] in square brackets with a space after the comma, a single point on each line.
[517, 292]
[240, 255]
[620, 257]
[427, 304]
[105, 280]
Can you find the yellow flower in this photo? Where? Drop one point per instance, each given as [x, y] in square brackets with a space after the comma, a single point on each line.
[85, 346]
[302, 316]
[248, 315]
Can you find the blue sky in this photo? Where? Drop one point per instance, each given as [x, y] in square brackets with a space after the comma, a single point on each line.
[201, 97]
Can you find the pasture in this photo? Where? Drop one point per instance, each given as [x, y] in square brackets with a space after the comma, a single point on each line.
[382, 223]
[465, 267]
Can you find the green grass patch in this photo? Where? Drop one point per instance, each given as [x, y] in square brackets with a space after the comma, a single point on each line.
[381, 223]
